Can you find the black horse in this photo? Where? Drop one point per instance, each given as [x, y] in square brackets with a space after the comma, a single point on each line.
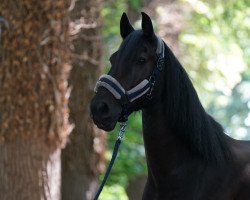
[189, 157]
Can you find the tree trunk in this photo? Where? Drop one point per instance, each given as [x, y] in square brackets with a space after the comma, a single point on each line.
[29, 170]
[136, 187]
[82, 159]
[33, 98]
[169, 17]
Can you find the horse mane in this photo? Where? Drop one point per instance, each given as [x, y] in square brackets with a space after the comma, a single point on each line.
[187, 117]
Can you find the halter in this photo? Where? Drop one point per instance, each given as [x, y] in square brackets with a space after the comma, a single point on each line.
[143, 88]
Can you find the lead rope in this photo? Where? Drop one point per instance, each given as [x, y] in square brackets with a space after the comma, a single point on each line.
[115, 151]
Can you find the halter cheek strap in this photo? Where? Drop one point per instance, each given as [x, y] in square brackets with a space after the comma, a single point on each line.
[139, 90]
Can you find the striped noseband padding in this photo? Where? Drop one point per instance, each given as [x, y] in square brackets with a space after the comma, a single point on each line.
[113, 86]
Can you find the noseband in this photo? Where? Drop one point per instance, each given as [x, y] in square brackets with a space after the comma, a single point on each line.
[143, 88]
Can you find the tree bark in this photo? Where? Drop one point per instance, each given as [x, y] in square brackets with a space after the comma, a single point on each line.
[136, 187]
[33, 98]
[83, 159]
[29, 170]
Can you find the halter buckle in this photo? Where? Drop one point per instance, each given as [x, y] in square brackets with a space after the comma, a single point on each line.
[160, 63]
[152, 80]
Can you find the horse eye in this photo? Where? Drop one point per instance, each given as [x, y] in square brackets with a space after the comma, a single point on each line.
[141, 60]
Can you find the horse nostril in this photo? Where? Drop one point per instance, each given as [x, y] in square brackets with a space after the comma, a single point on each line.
[102, 108]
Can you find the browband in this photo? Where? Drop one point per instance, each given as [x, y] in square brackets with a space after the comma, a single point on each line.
[114, 87]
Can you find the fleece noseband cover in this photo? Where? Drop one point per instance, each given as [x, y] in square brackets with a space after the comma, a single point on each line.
[113, 86]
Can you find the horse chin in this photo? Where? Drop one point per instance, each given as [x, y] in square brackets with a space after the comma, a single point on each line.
[107, 127]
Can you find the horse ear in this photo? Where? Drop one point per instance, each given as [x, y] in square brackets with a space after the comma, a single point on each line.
[125, 26]
[147, 25]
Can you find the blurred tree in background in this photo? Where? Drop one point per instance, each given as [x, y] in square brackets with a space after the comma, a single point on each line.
[83, 157]
[216, 50]
[34, 67]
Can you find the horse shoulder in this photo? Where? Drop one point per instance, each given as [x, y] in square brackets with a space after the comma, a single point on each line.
[242, 153]
[243, 192]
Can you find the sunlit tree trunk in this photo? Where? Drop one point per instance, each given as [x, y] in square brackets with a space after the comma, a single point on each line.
[82, 159]
[134, 8]
[169, 18]
[133, 11]
[33, 98]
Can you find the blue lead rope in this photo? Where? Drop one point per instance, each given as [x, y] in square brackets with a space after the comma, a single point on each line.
[115, 151]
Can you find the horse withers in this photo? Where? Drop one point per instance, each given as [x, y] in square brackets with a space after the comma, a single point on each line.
[189, 157]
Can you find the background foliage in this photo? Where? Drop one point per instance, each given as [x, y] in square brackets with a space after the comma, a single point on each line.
[215, 50]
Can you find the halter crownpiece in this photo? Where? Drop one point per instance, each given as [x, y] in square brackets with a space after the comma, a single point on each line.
[144, 87]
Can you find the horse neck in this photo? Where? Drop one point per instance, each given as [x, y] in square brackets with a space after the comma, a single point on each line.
[161, 142]
[177, 122]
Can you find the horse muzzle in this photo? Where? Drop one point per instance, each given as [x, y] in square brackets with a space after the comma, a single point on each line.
[105, 110]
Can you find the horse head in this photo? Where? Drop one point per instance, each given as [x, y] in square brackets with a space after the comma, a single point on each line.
[129, 84]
